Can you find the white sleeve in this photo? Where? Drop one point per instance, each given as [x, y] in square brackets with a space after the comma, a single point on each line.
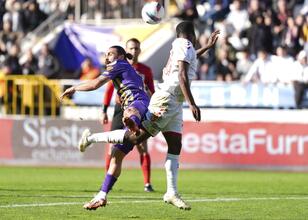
[182, 51]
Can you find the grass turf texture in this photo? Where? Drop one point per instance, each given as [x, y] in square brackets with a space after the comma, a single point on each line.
[61, 193]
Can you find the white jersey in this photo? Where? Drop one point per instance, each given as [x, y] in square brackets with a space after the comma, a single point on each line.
[182, 50]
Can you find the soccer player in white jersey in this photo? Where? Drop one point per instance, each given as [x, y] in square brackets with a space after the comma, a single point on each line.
[165, 108]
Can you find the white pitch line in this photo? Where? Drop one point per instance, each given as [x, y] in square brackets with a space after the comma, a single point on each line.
[40, 204]
[83, 196]
[156, 201]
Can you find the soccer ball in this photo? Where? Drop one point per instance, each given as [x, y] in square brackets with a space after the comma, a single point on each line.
[152, 12]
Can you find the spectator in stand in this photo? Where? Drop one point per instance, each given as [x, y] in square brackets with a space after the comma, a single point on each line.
[236, 22]
[204, 72]
[259, 36]
[305, 30]
[11, 66]
[11, 63]
[51, 6]
[224, 68]
[8, 37]
[282, 52]
[300, 69]
[217, 12]
[93, 11]
[30, 67]
[88, 70]
[280, 17]
[206, 61]
[9, 4]
[2, 12]
[70, 12]
[126, 12]
[238, 17]
[254, 10]
[48, 64]
[224, 43]
[284, 64]
[282, 12]
[33, 15]
[113, 9]
[243, 64]
[299, 22]
[17, 18]
[188, 10]
[263, 69]
[291, 36]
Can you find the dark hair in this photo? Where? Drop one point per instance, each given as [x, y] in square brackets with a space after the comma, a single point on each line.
[185, 27]
[135, 40]
[121, 51]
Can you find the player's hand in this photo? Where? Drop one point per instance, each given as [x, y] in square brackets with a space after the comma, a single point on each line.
[196, 112]
[104, 118]
[68, 92]
[213, 38]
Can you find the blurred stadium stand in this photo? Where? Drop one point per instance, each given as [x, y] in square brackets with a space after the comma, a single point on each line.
[60, 31]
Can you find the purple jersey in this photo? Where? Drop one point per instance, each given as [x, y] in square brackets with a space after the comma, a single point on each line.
[127, 81]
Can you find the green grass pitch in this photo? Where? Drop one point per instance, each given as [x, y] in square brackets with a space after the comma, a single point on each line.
[59, 193]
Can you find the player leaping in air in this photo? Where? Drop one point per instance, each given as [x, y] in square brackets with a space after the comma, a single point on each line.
[134, 100]
[133, 48]
[165, 114]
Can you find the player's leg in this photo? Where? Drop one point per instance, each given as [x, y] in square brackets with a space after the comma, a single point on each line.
[172, 160]
[133, 114]
[131, 117]
[172, 132]
[145, 162]
[115, 137]
[118, 153]
[116, 124]
[174, 142]
[108, 157]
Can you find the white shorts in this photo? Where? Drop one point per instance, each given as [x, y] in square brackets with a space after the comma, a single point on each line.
[171, 114]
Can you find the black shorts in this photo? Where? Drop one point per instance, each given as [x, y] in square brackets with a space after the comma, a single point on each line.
[117, 118]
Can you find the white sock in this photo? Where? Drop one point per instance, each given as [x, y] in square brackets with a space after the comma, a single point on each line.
[114, 137]
[100, 195]
[172, 166]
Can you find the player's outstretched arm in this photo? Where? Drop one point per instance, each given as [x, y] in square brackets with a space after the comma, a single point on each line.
[86, 86]
[210, 43]
[185, 87]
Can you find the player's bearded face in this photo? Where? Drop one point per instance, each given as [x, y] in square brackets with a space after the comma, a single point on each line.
[111, 55]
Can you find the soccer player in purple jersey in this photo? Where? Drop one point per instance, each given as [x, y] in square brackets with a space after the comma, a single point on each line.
[134, 101]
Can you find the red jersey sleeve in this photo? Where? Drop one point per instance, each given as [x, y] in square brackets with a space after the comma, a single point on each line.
[148, 76]
[108, 93]
[148, 80]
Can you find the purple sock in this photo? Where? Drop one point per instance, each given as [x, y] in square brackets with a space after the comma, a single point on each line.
[135, 119]
[108, 183]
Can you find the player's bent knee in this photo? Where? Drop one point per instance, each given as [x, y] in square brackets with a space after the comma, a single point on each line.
[174, 149]
[130, 139]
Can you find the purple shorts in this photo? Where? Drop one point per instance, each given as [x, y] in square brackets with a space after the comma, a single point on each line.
[142, 107]
[124, 148]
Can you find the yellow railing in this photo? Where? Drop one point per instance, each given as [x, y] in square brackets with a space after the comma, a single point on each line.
[31, 95]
